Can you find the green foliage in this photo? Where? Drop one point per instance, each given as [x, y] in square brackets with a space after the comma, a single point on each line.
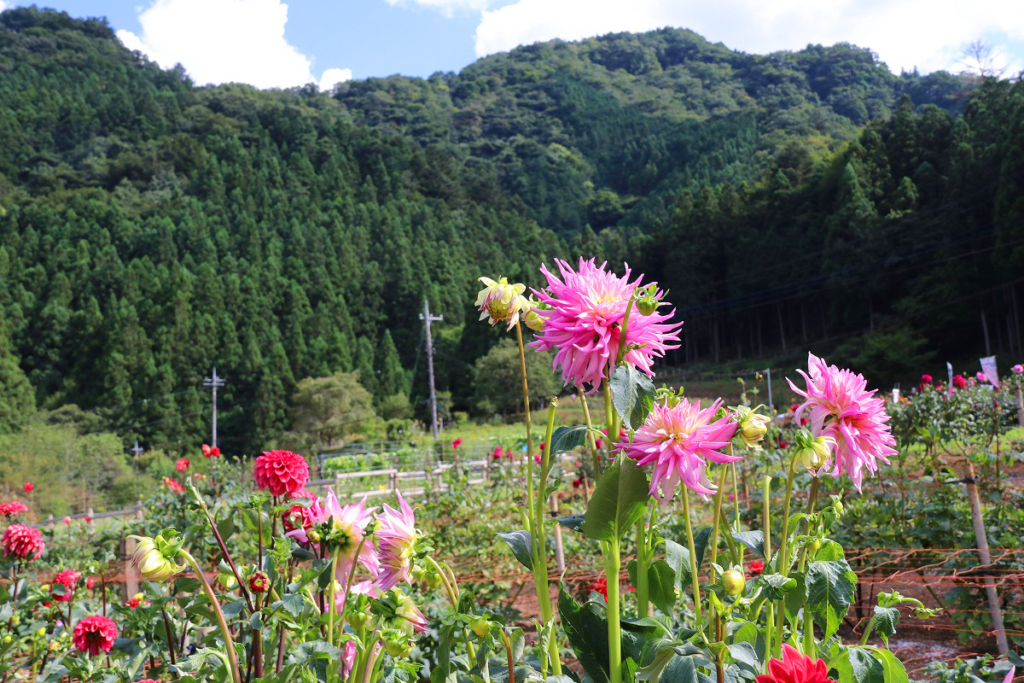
[499, 369]
[327, 409]
[17, 400]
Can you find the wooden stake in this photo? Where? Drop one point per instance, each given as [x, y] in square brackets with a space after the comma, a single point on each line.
[986, 561]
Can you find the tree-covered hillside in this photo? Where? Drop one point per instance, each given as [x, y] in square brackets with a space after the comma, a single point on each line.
[150, 229]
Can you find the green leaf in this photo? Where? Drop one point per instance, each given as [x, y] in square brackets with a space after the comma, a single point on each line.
[885, 620]
[521, 544]
[587, 630]
[661, 585]
[292, 604]
[856, 665]
[892, 668]
[574, 522]
[700, 543]
[567, 438]
[830, 587]
[632, 395]
[794, 599]
[618, 502]
[754, 540]
[443, 668]
[777, 585]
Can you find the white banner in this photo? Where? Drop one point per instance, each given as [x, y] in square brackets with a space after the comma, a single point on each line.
[988, 366]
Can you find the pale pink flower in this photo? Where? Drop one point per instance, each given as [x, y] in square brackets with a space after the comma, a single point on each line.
[348, 657]
[1010, 674]
[347, 530]
[980, 376]
[841, 407]
[1018, 369]
[584, 323]
[678, 441]
[396, 537]
[412, 619]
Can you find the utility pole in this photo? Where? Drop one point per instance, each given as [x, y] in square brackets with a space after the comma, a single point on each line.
[427, 319]
[136, 450]
[214, 382]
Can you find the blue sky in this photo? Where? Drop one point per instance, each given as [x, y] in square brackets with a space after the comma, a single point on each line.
[274, 43]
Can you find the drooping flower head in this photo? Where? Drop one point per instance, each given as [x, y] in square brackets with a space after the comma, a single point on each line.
[795, 668]
[584, 321]
[93, 634]
[210, 451]
[23, 542]
[752, 426]
[155, 559]
[398, 611]
[13, 508]
[396, 537]
[678, 441]
[280, 472]
[69, 580]
[501, 302]
[839, 406]
[182, 464]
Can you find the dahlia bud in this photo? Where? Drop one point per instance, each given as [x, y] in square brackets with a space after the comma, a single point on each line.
[397, 643]
[733, 582]
[534, 320]
[752, 426]
[433, 579]
[259, 582]
[228, 581]
[814, 453]
[501, 302]
[154, 558]
[648, 299]
[359, 620]
[313, 535]
[481, 627]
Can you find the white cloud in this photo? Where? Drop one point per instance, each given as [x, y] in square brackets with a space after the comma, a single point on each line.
[332, 77]
[448, 7]
[928, 34]
[3, 5]
[220, 41]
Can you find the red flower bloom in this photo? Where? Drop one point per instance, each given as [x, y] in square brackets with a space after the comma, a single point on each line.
[182, 464]
[926, 379]
[67, 520]
[508, 453]
[68, 579]
[576, 483]
[280, 472]
[93, 634]
[599, 585]
[259, 582]
[138, 600]
[542, 444]
[299, 516]
[795, 668]
[47, 605]
[756, 567]
[13, 508]
[210, 451]
[29, 487]
[91, 582]
[173, 486]
[457, 443]
[23, 542]
[88, 519]
[959, 381]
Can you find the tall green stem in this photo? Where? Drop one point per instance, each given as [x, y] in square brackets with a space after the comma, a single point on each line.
[716, 523]
[643, 603]
[609, 414]
[526, 397]
[766, 526]
[331, 596]
[590, 435]
[695, 580]
[782, 566]
[612, 569]
[229, 643]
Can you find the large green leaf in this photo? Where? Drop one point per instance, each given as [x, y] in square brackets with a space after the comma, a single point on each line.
[632, 395]
[892, 668]
[567, 438]
[856, 665]
[521, 544]
[586, 626]
[776, 585]
[661, 583]
[618, 502]
[830, 587]
[754, 540]
[885, 620]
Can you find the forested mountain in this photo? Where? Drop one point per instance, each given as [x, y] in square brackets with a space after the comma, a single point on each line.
[150, 229]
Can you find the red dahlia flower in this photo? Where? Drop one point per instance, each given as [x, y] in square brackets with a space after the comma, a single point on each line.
[756, 567]
[795, 668]
[93, 634]
[210, 451]
[182, 464]
[29, 487]
[173, 486]
[68, 579]
[280, 472]
[23, 542]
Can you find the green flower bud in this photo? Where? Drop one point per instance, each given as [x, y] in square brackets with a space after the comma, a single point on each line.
[752, 426]
[154, 558]
[733, 582]
[359, 620]
[481, 627]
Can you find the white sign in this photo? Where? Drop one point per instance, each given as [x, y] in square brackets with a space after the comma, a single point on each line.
[988, 366]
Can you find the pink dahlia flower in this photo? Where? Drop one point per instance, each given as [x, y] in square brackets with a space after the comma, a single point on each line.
[396, 536]
[1018, 369]
[280, 472]
[12, 508]
[347, 529]
[181, 464]
[980, 376]
[840, 406]
[93, 634]
[23, 542]
[585, 320]
[679, 441]
[68, 579]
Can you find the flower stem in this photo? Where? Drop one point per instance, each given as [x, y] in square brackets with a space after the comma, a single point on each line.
[643, 602]
[229, 643]
[716, 523]
[540, 543]
[782, 566]
[693, 559]
[612, 569]
[526, 392]
[332, 593]
[453, 595]
[590, 435]
[508, 656]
